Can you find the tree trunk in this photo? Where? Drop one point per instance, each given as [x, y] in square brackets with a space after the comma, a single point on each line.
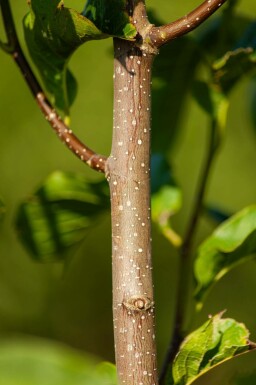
[128, 172]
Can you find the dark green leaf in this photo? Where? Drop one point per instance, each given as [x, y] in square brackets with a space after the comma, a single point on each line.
[37, 362]
[173, 73]
[52, 33]
[216, 341]
[58, 214]
[166, 197]
[233, 242]
[111, 17]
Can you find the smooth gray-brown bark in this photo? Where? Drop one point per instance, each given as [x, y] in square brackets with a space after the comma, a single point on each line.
[129, 177]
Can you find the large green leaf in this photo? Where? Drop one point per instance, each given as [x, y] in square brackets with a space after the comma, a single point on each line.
[52, 33]
[111, 17]
[233, 242]
[58, 214]
[166, 197]
[216, 341]
[37, 362]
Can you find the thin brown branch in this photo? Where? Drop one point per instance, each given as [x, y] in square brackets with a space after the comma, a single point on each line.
[180, 27]
[88, 156]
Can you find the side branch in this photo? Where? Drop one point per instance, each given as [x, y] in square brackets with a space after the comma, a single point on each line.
[12, 47]
[165, 33]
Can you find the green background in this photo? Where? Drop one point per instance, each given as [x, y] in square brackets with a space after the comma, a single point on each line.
[72, 303]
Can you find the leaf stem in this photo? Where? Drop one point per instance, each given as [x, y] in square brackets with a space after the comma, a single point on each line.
[185, 262]
[12, 47]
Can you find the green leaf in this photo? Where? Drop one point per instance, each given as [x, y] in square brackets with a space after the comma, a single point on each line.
[110, 17]
[37, 362]
[53, 32]
[233, 242]
[166, 197]
[216, 341]
[58, 214]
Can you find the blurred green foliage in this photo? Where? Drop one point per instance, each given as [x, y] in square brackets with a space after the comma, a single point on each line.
[35, 361]
[43, 300]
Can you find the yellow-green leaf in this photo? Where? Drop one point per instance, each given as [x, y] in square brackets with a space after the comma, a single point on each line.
[214, 342]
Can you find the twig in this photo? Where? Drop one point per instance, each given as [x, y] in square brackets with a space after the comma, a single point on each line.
[12, 47]
[186, 254]
[180, 27]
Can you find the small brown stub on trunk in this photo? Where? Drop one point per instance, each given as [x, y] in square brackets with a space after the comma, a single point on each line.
[138, 303]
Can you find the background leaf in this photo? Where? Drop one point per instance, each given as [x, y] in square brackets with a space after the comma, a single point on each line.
[231, 243]
[56, 216]
[215, 341]
[38, 362]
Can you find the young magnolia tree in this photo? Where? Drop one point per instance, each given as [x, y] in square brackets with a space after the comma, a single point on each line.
[53, 32]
